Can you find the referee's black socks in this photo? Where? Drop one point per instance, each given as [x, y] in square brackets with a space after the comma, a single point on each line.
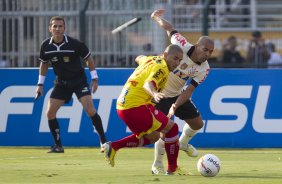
[97, 122]
[55, 131]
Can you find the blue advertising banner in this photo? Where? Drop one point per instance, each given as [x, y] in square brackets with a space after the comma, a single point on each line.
[241, 108]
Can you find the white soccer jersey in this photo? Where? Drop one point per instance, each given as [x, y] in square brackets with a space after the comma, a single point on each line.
[186, 70]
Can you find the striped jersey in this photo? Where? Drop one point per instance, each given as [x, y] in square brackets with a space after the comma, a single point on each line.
[186, 70]
[151, 68]
[65, 57]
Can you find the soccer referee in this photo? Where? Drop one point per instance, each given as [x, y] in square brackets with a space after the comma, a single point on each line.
[65, 54]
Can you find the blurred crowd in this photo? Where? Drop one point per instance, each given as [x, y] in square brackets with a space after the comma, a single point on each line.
[259, 54]
[230, 25]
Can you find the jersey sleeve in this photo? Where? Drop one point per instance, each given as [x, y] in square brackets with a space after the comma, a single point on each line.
[142, 60]
[83, 51]
[179, 40]
[200, 78]
[42, 56]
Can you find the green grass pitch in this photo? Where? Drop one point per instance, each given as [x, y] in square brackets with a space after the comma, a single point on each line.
[87, 165]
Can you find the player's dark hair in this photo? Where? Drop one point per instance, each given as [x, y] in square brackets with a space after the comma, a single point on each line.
[56, 18]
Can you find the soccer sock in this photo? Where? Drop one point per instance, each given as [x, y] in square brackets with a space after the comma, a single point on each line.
[55, 131]
[130, 141]
[159, 152]
[186, 136]
[97, 123]
[172, 148]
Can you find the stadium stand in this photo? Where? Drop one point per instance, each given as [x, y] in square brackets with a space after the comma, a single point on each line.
[24, 25]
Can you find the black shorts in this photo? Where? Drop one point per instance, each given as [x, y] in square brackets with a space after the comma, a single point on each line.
[186, 111]
[63, 90]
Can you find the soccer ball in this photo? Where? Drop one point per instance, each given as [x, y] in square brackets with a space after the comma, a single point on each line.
[208, 165]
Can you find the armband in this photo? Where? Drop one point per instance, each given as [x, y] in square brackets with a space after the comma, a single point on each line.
[94, 74]
[172, 33]
[41, 79]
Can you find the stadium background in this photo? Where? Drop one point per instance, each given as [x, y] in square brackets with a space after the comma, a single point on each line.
[25, 25]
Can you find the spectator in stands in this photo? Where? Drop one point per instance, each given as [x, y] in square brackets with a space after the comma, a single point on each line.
[275, 60]
[230, 57]
[258, 54]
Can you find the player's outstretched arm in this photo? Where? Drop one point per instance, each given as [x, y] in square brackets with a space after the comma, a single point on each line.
[184, 96]
[157, 16]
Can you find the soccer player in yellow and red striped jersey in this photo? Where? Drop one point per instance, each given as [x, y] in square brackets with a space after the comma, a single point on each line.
[135, 108]
[151, 69]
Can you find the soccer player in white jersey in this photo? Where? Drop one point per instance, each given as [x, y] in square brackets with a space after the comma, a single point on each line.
[194, 66]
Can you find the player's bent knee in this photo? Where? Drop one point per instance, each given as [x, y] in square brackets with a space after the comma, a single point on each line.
[50, 115]
[169, 126]
[200, 124]
[90, 112]
[196, 123]
[173, 131]
[153, 137]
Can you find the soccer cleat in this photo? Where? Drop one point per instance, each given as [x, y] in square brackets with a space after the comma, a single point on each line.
[190, 150]
[156, 170]
[109, 153]
[56, 149]
[101, 148]
[179, 171]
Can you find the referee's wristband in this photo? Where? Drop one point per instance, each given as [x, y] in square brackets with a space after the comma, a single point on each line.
[41, 79]
[94, 74]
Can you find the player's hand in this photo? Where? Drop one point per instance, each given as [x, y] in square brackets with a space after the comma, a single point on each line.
[38, 92]
[94, 85]
[157, 13]
[171, 111]
[158, 97]
[39, 89]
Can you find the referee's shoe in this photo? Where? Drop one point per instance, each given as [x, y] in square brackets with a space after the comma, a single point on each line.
[56, 149]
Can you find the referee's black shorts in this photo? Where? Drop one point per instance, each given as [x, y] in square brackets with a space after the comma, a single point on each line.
[186, 111]
[64, 92]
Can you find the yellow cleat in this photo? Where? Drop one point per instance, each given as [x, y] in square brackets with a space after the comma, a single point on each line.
[109, 153]
[179, 171]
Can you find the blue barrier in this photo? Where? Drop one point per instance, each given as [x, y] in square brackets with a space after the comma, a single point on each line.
[241, 108]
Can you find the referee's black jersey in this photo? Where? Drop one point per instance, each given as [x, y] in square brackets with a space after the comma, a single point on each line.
[65, 57]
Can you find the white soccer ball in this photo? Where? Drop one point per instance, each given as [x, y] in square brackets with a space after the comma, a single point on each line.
[208, 165]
